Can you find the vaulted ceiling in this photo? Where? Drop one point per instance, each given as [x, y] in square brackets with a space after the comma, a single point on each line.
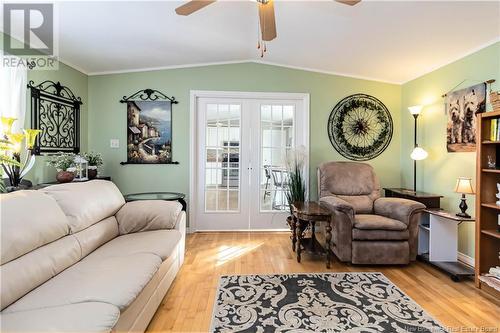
[387, 41]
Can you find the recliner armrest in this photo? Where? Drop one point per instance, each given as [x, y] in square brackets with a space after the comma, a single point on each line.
[147, 215]
[397, 208]
[335, 203]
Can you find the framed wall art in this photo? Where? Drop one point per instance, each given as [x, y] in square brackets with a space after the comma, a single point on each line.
[149, 127]
[462, 107]
[360, 127]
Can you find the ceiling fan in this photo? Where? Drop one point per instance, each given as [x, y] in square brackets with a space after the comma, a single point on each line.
[267, 21]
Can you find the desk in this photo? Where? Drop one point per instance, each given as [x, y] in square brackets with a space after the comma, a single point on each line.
[428, 199]
[438, 242]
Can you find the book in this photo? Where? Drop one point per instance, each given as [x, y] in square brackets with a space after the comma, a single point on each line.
[494, 130]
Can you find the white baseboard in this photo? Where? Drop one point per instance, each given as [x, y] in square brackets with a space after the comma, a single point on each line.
[465, 259]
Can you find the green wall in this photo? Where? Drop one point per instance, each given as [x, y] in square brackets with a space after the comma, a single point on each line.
[438, 173]
[107, 117]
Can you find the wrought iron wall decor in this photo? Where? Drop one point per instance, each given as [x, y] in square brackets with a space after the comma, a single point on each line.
[149, 127]
[360, 127]
[55, 110]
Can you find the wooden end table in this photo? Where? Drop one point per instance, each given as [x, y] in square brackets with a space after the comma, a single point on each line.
[305, 214]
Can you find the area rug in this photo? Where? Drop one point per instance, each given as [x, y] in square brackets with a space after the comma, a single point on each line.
[326, 302]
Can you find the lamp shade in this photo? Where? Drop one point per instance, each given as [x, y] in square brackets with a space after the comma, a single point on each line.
[418, 154]
[464, 185]
[415, 110]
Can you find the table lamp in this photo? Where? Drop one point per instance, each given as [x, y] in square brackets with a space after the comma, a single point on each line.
[463, 186]
[418, 153]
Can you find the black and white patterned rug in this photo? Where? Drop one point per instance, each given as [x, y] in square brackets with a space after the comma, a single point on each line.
[325, 302]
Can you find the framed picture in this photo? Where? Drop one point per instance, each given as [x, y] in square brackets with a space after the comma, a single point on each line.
[462, 107]
[149, 128]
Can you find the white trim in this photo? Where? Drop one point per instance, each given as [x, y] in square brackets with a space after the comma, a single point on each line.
[243, 61]
[193, 97]
[454, 59]
[159, 68]
[465, 259]
[321, 71]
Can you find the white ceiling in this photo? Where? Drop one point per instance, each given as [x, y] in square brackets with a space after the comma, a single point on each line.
[387, 41]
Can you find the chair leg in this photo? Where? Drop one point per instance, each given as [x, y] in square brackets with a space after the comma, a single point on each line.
[266, 192]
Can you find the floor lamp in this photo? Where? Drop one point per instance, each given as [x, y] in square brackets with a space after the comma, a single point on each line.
[418, 153]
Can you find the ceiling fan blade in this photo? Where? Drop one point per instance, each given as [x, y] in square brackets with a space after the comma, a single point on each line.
[267, 20]
[192, 6]
[349, 2]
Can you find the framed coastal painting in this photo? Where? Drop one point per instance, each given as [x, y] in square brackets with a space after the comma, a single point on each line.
[149, 127]
[461, 109]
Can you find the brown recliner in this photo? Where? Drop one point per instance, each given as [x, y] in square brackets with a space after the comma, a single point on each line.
[367, 229]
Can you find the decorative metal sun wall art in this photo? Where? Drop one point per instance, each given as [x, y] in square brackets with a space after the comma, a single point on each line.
[360, 127]
[55, 110]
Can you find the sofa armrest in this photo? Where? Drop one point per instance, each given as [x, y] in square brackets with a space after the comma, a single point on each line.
[397, 208]
[147, 215]
[340, 205]
[343, 221]
[406, 211]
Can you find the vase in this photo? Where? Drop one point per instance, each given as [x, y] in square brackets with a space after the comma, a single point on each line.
[65, 176]
[92, 173]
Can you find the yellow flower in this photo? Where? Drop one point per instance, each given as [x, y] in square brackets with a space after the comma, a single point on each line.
[17, 140]
[7, 124]
[31, 137]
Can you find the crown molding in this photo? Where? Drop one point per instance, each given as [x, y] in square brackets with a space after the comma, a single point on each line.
[160, 68]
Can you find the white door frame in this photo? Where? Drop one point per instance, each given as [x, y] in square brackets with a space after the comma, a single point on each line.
[193, 120]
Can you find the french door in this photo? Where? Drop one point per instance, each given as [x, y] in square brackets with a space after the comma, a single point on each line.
[241, 150]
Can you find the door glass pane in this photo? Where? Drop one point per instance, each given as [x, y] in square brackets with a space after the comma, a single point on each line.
[222, 173]
[277, 124]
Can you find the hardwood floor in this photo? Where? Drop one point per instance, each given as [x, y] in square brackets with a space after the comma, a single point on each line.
[187, 307]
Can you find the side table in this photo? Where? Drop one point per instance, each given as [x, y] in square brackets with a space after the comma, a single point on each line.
[437, 242]
[309, 213]
[168, 196]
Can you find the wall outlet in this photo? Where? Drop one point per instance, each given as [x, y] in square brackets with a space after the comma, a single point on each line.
[114, 143]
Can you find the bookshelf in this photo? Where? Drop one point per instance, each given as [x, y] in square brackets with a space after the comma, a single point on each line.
[487, 235]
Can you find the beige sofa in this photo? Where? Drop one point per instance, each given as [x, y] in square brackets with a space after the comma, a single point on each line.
[77, 258]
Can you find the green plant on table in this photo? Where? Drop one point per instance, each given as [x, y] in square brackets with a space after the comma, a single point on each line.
[62, 161]
[295, 163]
[93, 158]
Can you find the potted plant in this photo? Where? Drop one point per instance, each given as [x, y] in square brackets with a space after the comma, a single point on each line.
[65, 166]
[297, 190]
[95, 161]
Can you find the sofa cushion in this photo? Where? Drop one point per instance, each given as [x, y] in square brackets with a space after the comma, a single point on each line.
[366, 234]
[147, 215]
[362, 204]
[20, 276]
[115, 280]
[97, 235]
[348, 178]
[158, 242]
[87, 203]
[377, 222]
[23, 230]
[80, 317]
